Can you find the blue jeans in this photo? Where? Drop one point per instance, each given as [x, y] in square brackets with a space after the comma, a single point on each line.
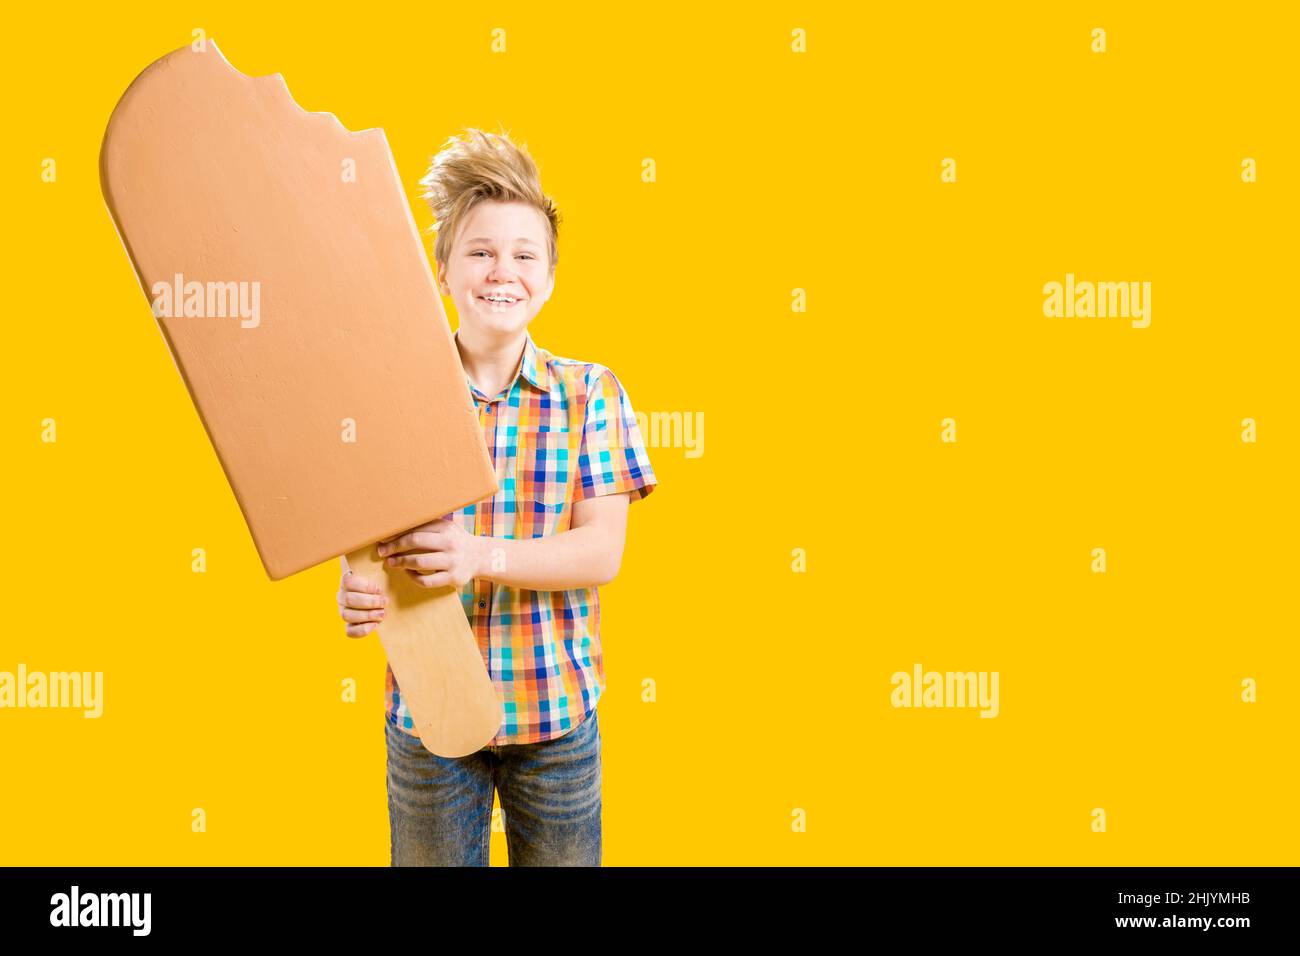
[440, 809]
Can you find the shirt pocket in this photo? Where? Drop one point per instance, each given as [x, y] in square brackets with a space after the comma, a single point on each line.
[545, 469]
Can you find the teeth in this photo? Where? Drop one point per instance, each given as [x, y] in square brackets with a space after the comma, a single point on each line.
[492, 298]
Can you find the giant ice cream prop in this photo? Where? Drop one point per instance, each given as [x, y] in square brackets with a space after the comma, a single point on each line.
[287, 276]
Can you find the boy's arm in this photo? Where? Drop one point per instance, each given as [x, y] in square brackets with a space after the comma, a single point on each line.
[587, 555]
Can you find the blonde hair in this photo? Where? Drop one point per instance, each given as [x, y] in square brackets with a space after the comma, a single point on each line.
[483, 166]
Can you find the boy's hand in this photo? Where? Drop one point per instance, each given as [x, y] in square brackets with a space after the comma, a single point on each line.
[361, 604]
[436, 554]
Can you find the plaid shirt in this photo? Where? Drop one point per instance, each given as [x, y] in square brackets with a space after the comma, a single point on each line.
[542, 648]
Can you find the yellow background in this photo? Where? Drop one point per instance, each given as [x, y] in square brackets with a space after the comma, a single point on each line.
[776, 171]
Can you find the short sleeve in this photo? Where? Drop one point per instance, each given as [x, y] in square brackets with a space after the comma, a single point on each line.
[612, 458]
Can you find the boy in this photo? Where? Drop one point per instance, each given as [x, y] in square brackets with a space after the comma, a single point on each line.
[569, 459]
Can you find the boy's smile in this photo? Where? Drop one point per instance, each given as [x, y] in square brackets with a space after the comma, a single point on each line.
[498, 272]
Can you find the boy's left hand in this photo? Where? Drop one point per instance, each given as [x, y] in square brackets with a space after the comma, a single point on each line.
[436, 555]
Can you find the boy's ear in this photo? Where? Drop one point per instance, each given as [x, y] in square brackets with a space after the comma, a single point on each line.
[550, 287]
[441, 276]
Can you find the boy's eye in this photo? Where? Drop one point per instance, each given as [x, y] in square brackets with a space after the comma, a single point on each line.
[486, 253]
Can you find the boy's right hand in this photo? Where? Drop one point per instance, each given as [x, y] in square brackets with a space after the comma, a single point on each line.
[361, 604]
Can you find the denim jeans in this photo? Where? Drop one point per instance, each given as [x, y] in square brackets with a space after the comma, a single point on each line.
[440, 809]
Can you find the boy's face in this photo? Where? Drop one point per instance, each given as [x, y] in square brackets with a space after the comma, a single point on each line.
[500, 251]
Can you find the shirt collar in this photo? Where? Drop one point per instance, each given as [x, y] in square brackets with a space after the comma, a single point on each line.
[531, 366]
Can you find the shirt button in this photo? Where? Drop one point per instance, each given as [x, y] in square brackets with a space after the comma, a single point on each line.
[482, 603]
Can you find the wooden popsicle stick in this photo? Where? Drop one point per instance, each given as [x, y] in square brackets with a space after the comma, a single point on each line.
[435, 660]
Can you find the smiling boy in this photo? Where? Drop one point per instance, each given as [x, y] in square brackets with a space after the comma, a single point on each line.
[569, 459]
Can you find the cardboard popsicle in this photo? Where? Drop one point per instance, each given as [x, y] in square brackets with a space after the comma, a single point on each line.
[289, 282]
